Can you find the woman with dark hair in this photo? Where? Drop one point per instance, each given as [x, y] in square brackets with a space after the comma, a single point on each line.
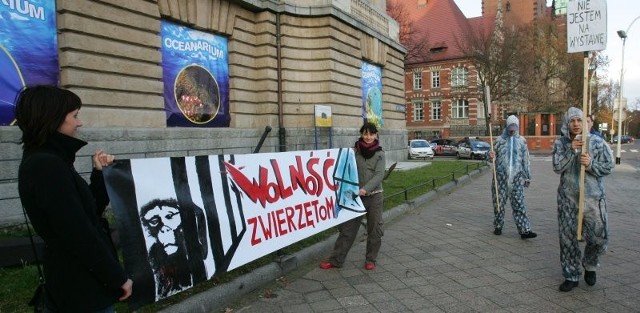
[81, 267]
[371, 165]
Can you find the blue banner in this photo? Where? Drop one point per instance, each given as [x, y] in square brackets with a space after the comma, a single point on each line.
[196, 77]
[28, 50]
[372, 94]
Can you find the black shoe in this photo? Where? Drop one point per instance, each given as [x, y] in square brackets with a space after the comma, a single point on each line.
[568, 285]
[590, 277]
[497, 231]
[528, 235]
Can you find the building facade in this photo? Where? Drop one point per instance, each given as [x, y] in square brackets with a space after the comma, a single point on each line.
[284, 58]
[443, 91]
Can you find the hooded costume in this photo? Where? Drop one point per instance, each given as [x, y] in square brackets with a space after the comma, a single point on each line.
[566, 162]
[512, 173]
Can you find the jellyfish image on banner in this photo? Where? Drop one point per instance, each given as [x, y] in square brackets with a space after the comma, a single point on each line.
[374, 106]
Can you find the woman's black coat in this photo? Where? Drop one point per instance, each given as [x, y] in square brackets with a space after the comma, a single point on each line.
[81, 268]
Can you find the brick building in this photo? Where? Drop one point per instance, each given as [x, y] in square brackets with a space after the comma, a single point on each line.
[442, 90]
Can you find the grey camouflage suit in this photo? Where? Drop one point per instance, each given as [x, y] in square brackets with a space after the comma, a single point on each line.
[566, 162]
[512, 172]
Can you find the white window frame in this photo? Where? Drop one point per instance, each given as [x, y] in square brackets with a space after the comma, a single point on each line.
[459, 77]
[436, 109]
[460, 108]
[435, 79]
[417, 80]
[418, 110]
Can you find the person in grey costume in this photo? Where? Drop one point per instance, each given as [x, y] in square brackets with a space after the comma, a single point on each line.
[512, 173]
[567, 160]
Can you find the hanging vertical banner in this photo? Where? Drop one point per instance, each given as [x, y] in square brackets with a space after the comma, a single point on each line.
[372, 94]
[186, 219]
[28, 50]
[196, 77]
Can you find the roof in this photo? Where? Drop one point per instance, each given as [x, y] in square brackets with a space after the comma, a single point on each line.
[445, 27]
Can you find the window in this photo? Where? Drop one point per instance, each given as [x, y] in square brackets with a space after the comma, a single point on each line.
[460, 109]
[417, 80]
[418, 110]
[459, 77]
[480, 110]
[435, 79]
[436, 110]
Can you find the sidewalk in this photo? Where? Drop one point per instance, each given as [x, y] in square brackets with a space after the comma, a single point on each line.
[443, 257]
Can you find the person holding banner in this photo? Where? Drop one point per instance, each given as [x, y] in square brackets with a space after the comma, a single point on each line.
[598, 162]
[512, 174]
[81, 267]
[370, 161]
[592, 130]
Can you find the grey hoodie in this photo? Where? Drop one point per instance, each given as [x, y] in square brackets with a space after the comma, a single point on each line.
[566, 162]
[512, 155]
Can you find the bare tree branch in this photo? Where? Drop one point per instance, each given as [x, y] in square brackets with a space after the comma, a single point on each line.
[413, 39]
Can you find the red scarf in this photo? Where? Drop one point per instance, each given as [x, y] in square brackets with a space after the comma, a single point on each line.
[367, 150]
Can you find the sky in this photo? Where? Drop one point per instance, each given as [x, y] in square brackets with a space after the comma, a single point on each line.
[620, 15]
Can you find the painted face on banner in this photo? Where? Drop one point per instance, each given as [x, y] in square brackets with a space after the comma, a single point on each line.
[162, 222]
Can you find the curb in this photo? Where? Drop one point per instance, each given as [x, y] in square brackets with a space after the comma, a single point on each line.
[216, 298]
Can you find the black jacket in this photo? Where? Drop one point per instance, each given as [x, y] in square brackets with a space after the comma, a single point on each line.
[81, 268]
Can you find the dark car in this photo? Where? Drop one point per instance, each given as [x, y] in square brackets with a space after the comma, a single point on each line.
[444, 146]
[473, 149]
[623, 139]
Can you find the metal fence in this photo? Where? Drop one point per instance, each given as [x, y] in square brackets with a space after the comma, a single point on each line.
[411, 192]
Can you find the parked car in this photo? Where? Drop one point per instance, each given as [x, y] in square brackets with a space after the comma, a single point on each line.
[473, 149]
[444, 146]
[420, 149]
[623, 139]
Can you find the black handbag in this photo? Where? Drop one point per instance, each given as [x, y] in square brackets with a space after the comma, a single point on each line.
[38, 299]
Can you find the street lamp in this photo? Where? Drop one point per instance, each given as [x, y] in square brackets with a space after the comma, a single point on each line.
[623, 35]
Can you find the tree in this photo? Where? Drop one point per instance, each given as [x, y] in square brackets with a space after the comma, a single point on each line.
[494, 53]
[607, 95]
[410, 37]
[597, 62]
[551, 79]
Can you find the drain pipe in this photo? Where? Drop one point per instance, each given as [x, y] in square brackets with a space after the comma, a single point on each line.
[282, 133]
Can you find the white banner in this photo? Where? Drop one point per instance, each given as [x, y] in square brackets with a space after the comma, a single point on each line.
[586, 25]
[182, 220]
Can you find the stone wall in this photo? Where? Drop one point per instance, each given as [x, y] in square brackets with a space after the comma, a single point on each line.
[284, 58]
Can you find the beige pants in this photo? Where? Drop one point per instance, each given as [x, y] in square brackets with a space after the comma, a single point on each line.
[349, 230]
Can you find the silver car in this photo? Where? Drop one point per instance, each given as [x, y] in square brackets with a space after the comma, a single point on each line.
[473, 149]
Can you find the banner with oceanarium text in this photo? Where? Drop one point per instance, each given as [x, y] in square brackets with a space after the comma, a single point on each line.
[195, 70]
[186, 219]
[28, 50]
